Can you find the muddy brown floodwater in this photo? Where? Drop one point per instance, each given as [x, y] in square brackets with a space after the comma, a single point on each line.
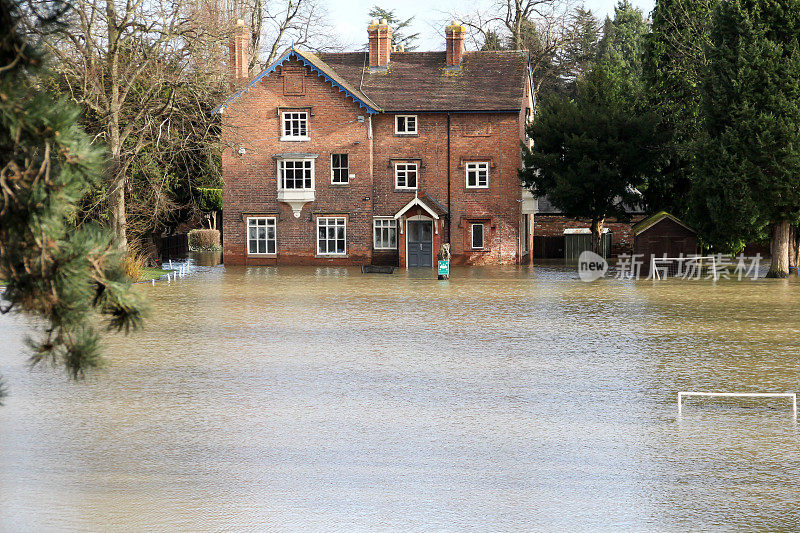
[263, 399]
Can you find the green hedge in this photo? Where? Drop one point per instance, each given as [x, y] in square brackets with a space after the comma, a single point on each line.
[210, 199]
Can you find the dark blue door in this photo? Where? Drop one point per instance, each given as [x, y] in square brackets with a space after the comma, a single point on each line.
[420, 243]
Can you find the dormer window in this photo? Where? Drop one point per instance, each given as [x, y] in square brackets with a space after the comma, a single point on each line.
[295, 126]
[405, 124]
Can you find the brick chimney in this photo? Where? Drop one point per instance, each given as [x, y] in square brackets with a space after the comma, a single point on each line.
[239, 60]
[380, 44]
[455, 34]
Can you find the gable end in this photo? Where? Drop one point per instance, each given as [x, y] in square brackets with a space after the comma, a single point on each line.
[293, 54]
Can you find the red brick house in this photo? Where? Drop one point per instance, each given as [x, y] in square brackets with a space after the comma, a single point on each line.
[377, 157]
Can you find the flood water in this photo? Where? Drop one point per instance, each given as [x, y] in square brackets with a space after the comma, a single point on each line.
[264, 399]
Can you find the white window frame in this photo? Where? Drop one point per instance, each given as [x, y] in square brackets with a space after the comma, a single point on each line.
[472, 236]
[404, 172]
[269, 222]
[477, 167]
[346, 170]
[343, 224]
[406, 130]
[301, 117]
[385, 225]
[282, 170]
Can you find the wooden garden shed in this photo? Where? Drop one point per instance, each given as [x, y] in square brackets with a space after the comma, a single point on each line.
[663, 234]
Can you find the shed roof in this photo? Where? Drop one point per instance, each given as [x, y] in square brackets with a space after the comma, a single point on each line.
[649, 222]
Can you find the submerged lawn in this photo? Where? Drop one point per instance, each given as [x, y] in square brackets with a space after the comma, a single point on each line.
[152, 273]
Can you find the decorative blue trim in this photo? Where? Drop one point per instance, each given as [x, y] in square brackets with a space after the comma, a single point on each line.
[289, 55]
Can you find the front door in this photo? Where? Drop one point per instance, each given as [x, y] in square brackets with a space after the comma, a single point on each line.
[420, 243]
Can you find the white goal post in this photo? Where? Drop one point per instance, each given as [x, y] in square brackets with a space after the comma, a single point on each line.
[790, 395]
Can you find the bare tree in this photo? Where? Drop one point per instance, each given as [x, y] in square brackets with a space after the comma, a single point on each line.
[276, 24]
[112, 56]
[538, 26]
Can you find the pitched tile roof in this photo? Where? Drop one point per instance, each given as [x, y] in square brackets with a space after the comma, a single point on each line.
[417, 81]
[420, 81]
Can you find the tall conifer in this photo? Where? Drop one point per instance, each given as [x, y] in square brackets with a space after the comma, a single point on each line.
[747, 178]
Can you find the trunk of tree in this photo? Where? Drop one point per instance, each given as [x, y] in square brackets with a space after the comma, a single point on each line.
[116, 211]
[794, 247]
[116, 192]
[597, 235]
[779, 248]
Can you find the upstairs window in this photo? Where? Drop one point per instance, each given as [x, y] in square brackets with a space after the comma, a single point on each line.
[331, 235]
[477, 175]
[405, 124]
[477, 236]
[295, 126]
[261, 235]
[340, 169]
[296, 173]
[385, 233]
[405, 175]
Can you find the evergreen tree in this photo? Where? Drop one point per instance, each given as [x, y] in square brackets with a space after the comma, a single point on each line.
[492, 42]
[746, 182]
[623, 37]
[591, 152]
[673, 67]
[54, 270]
[581, 44]
[398, 27]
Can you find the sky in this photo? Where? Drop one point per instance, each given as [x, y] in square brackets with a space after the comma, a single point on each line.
[350, 17]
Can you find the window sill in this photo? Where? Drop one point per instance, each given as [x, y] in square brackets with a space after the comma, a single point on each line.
[262, 255]
[478, 189]
[406, 134]
[293, 195]
[340, 185]
[385, 249]
[331, 256]
[405, 189]
[294, 139]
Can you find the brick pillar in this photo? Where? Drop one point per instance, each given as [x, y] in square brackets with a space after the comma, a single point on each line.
[455, 34]
[239, 59]
[380, 43]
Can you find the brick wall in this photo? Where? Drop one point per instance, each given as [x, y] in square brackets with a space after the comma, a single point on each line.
[253, 122]
[554, 226]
